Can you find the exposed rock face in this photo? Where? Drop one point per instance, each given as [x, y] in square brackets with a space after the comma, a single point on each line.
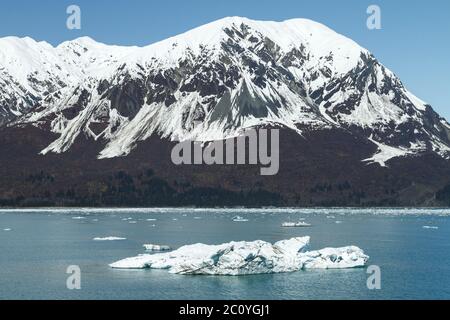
[212, 83]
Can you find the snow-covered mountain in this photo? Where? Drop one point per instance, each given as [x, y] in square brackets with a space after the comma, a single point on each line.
[211, 83]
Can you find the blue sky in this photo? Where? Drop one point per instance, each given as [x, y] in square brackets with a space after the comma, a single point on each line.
[414, 41]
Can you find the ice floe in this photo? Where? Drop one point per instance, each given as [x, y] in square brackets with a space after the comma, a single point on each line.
[239, 219]
[245, 258]
[109, 239]
[7, 229]
[300, 224]
[235, 211]
[430, 227]
[156, 247]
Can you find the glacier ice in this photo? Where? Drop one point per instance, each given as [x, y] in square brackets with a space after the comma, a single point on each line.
[109, 239]
[239, 219]
[245, 258]
[156, 247]
[430, 227]
[299, 224]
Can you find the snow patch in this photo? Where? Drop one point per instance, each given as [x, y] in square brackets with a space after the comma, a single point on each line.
[385, 153]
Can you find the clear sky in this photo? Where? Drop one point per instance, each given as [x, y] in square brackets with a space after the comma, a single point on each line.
[414, 41]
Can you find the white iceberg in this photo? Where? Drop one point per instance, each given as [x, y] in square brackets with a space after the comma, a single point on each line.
[300, 224]
[431, 227]
[245, 258]
[156, 247]
[109, 239]
[7, 229]
[239, 219]
[334, 258]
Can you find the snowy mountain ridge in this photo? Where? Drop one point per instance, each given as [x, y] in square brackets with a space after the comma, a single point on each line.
[211, 83]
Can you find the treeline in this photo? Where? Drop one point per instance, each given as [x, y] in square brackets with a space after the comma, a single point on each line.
[443, 195]
[143, 190]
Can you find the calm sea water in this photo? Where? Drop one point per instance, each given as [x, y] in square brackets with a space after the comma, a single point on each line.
[35, 253]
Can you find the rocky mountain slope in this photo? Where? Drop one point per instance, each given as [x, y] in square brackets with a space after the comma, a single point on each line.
[212, 83]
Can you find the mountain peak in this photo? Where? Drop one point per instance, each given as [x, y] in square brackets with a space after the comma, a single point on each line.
[228, 75]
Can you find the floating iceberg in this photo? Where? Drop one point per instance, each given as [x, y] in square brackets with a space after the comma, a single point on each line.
[245, 258]
[109, 239]
[431, 227]
[7, 229]
[300, 224]
[239, 219]
[156, 247]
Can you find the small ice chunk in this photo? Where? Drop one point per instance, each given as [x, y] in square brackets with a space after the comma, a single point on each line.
[109, 239]
[156, 247]
[300, 224]
[7, 229]
[430, 227]
[78, 218]
[239, 219]
[151, 219]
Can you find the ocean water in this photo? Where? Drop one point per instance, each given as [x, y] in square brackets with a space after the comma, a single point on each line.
[41, 244]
